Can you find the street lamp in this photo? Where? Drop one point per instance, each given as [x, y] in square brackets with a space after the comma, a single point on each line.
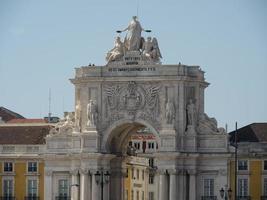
[226, 194]
[102, 178]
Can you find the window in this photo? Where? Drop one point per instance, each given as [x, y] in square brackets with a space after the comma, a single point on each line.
[151, 145]
[137, 195]
[242, 165]
[127, 173]
[143, 195]
[208, 187]
[143, 174]
[63, 187]
[32, 188]
[137, 145]
[265, 165]
[265, 187]
[242, 187]
[151, 162]
[8, 188]
[151, 179]
[8, 167]
[151, 196]
[137, 174]
[32, 166]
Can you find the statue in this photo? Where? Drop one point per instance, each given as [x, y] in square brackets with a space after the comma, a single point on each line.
[170, 112]
[191, 113]
[92, 114]
[151, 49]
[133, 38]
[117, 52]
[64, 126]
[78, 115]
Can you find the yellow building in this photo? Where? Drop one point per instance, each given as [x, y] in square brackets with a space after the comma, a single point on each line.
[136, 180]
[22, 166]
[251, 163]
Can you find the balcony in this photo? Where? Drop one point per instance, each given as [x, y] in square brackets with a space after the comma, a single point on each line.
[263, 197]
[32, 198]
[243, 197]
[7, 198]
[209, 198]
[63, 198]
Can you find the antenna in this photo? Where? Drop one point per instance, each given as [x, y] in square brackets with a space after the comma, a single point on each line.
[49, 106]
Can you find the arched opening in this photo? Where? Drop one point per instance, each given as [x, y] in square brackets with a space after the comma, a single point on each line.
[133, 169]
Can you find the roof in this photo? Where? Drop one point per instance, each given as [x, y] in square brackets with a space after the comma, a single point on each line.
[7, 114]
[23, 121]
[256, 132]
[24, 134]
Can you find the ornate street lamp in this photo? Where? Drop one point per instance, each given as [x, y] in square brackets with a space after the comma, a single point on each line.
[102, 178]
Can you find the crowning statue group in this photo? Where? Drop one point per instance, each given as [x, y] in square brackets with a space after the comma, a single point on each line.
[133, 41]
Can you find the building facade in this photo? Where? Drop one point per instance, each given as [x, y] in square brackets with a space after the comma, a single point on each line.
[132, 92]
[251, 162]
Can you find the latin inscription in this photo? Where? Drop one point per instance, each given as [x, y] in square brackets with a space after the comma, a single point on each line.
[132, 69]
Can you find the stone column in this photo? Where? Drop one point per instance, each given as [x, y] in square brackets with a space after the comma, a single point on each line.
[106, 191]
[173, 185]
[192, 185]
[84, 179]
[74, 185]
[163, 186]
[48, 185]
[181, 184]
[95, 188]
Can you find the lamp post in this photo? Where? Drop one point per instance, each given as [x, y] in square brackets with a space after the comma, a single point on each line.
[226, 194]
[102, 178]
[72, 185]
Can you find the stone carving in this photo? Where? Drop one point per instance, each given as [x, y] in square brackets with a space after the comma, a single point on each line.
[207, 125]
[92, 114]
[78, 115]
[191, 113]
[151, 50]
[169, 112]
[132, 40]
[65, 126]
[131, 101]
[117, 52]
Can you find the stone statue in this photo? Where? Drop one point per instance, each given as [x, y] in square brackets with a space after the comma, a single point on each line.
[92, 114]
[64, 126]
[151, 49]
[170, 112]
[78, 115]
[133, 38]
[191, 113]
[117, 52]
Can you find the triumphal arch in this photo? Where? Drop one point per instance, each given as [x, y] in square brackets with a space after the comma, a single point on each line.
[134, 90]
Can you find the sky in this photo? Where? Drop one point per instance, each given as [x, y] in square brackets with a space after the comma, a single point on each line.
[41, 42]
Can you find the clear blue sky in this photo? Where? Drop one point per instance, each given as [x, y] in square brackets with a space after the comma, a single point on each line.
[42, 41]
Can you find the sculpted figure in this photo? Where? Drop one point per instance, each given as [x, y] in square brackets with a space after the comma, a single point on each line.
[191, 113]
[170, 112]
[117, 52]
[78, 114]
[91, 114]
[132, 40]
[151, 49]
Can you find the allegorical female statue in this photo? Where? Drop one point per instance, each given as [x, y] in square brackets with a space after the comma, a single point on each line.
[91, 113]
[117, 52]
[191, 113]
[132, 40]
[170, 112]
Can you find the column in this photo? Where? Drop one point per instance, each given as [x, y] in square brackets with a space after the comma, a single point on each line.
[192, 185]
[48, 183]
[163, 194]
[74, 185]
[95, 188]
[173, 185]
[181, 184]
[106, 191]
[84, 179]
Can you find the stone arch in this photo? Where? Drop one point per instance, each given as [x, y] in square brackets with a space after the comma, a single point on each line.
[123, 129]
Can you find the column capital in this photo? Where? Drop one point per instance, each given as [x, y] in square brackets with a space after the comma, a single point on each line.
[173, 171]
[49, 172]
[84, 171]
[192, 172]
[74, 172]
